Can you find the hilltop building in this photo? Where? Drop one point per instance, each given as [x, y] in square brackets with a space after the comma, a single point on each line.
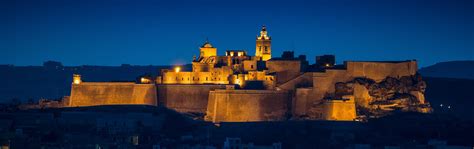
[237, 87]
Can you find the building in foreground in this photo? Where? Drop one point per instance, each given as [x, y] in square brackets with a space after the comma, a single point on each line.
[237, 87]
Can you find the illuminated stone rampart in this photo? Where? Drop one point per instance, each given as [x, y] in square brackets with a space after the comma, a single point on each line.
[112, 93]
[247, 105]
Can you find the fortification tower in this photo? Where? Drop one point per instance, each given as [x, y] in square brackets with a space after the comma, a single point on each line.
[207, 50]
[264, 46]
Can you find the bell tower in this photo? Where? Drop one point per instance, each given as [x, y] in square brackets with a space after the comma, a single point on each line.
[263, 47]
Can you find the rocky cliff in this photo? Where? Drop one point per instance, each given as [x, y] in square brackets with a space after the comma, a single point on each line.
[391, 94]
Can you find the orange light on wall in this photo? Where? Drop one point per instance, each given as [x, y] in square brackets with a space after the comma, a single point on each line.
[145, 80]
[76, 79]
[238, 81]
[177, 69]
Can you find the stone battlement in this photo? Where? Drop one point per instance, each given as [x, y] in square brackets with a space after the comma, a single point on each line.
[112, 93]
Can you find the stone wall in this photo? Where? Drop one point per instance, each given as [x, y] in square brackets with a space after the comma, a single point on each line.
[185, 98]
[324, 82]
[285, 69]
[112, 93]
[380, 70]
[340, 110]
[247, 105]
[301, 101]
[303, 80]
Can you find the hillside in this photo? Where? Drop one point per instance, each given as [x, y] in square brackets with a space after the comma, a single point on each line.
[450, 69]
[451, 96]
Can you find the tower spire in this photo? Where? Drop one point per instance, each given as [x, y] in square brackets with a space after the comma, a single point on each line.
[263, 33]
[263, 45]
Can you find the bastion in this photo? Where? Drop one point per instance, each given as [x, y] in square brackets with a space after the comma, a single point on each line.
[186, 97]
[247, 105]
[112, 93]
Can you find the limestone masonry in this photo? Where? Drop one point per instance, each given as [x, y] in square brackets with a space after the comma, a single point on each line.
[237, 87]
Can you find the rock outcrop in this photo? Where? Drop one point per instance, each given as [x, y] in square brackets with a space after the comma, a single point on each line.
[387, 96]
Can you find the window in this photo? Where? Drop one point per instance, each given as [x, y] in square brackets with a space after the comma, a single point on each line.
[206, 78]
[251, 66]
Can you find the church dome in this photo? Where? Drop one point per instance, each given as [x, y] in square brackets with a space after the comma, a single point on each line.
[207, 44]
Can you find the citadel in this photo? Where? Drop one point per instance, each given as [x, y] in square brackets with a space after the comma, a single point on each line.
[238, 87]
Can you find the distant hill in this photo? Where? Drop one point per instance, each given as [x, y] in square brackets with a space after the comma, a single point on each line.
[450, 69]
[52, 81]
[451, 96]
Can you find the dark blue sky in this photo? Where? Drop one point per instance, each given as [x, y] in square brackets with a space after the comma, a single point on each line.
[144, 32]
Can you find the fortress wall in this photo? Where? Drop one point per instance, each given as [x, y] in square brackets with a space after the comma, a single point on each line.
[304, 79]
[380, 70]
[247, 105]
[285, 69]
[324, 82]
[185, 98]
[340, 110]
[112, 93]
[301, 101]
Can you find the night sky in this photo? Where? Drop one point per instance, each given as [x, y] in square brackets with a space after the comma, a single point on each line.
[144, 32]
